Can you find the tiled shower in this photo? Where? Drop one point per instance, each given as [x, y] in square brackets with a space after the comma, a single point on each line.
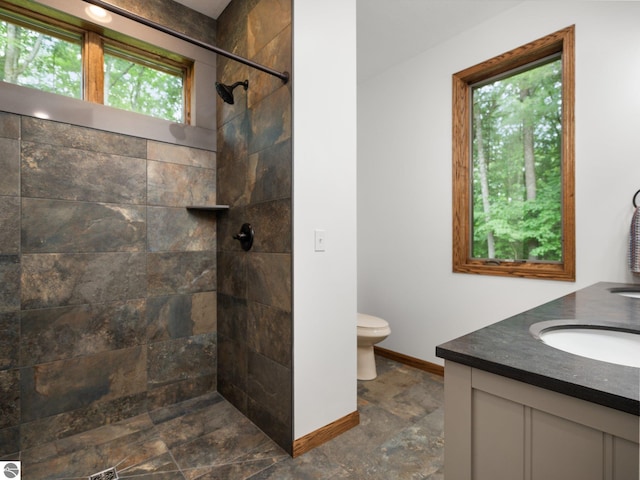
[115, 299]
[254, 178]
[108, 282]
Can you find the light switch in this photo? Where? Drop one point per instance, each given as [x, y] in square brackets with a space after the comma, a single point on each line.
[321, 240]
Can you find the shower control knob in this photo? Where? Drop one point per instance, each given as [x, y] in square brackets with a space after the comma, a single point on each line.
[245, 236]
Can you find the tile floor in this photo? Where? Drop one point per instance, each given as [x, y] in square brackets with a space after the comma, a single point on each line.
[400, 436]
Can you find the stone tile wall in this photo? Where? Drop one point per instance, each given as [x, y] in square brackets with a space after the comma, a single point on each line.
[107, 281]
[174, 15]
[254, 178]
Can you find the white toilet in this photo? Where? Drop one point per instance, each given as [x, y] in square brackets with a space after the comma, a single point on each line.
[371, 330]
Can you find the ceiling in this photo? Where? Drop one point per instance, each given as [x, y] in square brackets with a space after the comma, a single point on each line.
[391, 31]
[211, 8]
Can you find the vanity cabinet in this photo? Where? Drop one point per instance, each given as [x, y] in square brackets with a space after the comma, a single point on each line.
[498, 428]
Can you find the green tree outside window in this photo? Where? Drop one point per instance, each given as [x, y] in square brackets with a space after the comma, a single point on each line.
[136, 87]
[33, 59]
[517, 193]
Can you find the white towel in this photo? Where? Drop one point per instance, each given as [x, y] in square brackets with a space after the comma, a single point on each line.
[634, 242]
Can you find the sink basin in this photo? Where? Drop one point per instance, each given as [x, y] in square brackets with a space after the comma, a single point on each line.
[632, 292]
[605, 342]
[629, 294]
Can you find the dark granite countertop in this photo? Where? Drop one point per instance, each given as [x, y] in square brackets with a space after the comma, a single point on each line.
[507, 348]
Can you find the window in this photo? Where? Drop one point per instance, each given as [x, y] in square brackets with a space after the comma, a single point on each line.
[59, 57]
[513, 163]
[39, 56]
[135, 83]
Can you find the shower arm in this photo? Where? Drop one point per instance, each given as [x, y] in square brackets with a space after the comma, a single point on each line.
[284, 76]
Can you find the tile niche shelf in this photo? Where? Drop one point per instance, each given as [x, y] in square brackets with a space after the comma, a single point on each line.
[208, 208]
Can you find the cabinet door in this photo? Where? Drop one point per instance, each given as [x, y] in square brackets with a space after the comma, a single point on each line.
[563, 450]
[625, 460]
[497, 438]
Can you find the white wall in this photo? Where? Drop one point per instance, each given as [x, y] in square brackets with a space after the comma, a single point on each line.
[404, 174]
[324, 197]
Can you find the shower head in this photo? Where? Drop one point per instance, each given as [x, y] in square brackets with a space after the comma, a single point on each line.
[226, 91]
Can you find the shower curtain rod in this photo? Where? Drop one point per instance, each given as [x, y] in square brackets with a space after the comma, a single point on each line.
[284, 76]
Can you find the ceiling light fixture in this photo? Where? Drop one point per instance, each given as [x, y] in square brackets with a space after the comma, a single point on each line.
[98, 14]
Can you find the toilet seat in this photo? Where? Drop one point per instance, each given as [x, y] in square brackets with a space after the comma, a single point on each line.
[370, 325]
[369, 321]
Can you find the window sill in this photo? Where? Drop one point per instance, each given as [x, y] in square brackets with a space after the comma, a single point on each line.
[35, 103]
[542, 271]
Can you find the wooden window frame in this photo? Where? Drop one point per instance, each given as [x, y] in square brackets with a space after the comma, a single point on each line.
[562, 41]
[94, 39]
[150, 59]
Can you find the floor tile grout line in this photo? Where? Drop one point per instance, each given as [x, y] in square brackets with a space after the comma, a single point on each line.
[176, 463]
[234, 462]
[154, 434]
